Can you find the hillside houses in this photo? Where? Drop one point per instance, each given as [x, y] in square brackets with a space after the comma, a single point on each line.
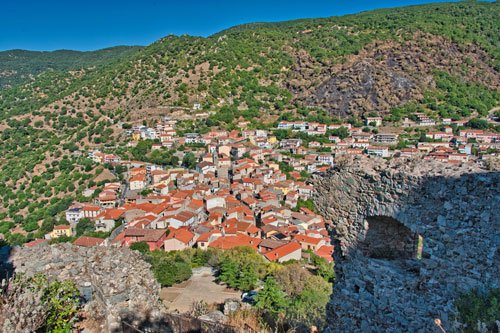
[223, 203]
[247, 187]
[78, 211]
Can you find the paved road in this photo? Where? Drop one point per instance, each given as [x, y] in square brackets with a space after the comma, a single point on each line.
[200, 286]
[124, 193]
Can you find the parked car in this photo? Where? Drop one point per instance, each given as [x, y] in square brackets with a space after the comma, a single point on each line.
[249, 297]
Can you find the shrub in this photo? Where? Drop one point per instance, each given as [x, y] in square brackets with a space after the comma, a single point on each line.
[43, 306]
[5, 227]
[142, 247]
[479, 308]
[309, 307]
[169, 272]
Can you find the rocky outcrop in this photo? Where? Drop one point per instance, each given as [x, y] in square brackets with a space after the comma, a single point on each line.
[116, 282]
[388, 74]
[410, 237]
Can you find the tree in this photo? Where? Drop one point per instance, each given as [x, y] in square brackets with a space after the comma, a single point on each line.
[285, 167]
[241, 268]
[229, 273]
[62, 300]
[169, 272]
[189, 161]
[402, 144]
[292, 278]
[62, 239]
[201, 257]
[140, 151]
[324, 268]
[15, 239]
[304, 174]
[5, 227]
[52, 306]
[30, 226]
[282, 134]
[478, 123]
[341, 132]
[271, 298]
[169, 267]
[84, 226]
[146, 192]
[309, 204]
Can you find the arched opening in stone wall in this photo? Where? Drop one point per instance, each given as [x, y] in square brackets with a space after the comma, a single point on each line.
[387, 238]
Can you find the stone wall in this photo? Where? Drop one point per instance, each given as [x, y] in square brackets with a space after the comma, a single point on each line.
[117, 282]
[444, 221]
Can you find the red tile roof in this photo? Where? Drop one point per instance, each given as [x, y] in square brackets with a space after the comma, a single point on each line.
[62, 227]
[282, 251]
[35, 242]
[145, 235]
[184, 216]
[307, 239]
[87, 241]
[91, 208]
[111, 214]
[138, 178]
[232, 226]
[181, 234]
[107, 197]
[326, 251]
[158, 172]
[229, 242]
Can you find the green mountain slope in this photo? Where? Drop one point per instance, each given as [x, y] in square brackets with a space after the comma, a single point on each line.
[272, 67]
[20, 66]
[442, 59]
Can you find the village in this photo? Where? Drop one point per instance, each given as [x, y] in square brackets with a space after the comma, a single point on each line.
[244, 187]
[250, 166]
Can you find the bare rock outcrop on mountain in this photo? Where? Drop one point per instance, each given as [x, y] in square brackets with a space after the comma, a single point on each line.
[410, 237]
[388, 74]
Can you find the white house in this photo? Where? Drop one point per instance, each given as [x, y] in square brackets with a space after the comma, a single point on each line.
[74, 214]
[373, 121]
[138, 182]
[378, 151]
[183, 219]
[325, 159]
[215, 201]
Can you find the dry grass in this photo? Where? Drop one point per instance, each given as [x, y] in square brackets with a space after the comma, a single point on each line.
[249, 320]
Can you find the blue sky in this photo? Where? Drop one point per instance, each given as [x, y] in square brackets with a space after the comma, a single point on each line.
[93, 24]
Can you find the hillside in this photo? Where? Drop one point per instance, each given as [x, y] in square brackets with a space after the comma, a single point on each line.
[21, 66]
[442, 59]
[379, 60]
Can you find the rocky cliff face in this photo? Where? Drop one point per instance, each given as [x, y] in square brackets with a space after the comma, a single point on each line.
[116, 282]
[388, 74]
[410, 236]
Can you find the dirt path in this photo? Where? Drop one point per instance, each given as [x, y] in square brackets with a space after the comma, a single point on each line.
[200, 286]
